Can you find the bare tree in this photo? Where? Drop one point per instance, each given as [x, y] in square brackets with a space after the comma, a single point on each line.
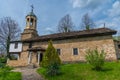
[87, 22]
[9, 31]
[2, 50]
[65, 24]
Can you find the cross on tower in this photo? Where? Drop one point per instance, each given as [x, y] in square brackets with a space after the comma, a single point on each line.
[32, 7]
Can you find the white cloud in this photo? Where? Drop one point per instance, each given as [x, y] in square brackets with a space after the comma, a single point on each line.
[78, 3]
[86, 3]
[110, 22]
[49, 30]
[115, 10]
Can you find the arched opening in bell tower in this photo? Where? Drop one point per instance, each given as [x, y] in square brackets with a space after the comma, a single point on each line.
[31, 22]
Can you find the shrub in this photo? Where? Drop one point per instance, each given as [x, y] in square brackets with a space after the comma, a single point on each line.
[96, 58]
[51, 61]
[3, 60]
[2, 65]
[51, 56]
[53, 69]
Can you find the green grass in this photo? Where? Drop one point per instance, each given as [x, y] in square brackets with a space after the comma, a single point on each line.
[82, 71]
[11, 76]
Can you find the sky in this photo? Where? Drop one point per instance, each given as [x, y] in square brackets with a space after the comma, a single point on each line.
[49, 12]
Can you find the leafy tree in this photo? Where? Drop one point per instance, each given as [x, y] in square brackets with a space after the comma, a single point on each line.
[87, 22]
[9, 31]
[51, 56]
[65, 24]
[96, 58]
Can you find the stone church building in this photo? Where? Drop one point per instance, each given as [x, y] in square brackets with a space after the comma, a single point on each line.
[71, 46]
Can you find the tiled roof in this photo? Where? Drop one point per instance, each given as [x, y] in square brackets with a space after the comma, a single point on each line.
[74, 34]
[36, 49]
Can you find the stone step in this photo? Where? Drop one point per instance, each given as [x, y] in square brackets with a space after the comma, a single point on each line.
[32, 66]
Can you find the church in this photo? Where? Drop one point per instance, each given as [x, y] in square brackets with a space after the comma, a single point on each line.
[71, 46]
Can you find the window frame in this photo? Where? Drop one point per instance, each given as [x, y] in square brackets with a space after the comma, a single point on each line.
[16, 55]
[59, 53]
[30, 45]
[73, 52]
[16, 45]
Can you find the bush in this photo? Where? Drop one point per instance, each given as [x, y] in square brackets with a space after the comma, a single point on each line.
[3, 60]
[53, 69]
[51, 56]
[2, 65]
[96, 58]
[51, 60]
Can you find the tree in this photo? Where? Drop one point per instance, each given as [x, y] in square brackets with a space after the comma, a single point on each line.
[65, 24]
[9, 31]
[2, 50]
[87, 22]
[51, 56]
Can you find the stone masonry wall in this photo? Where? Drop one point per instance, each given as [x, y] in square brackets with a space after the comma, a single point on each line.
[105, 43]
[83, 44]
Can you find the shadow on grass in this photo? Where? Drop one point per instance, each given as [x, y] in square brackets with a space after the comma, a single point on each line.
[63, 74]
[60, 74]
[103, 69]
[107, 69]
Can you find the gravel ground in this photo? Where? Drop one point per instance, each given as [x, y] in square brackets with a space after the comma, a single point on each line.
[29, 74]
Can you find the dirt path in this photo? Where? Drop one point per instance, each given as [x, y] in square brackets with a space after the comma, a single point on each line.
[29, 74]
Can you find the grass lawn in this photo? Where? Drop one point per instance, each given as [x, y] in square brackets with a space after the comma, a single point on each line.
[11, 76]
[82, 71]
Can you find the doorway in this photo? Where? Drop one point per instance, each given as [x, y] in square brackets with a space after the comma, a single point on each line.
[41, 56]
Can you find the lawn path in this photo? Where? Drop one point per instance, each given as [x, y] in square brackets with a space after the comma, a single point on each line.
[29, 74]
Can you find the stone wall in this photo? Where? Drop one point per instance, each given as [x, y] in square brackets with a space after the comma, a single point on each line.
[117, 47]
[26, 36]
[23, 60]
[83, 44]
[105, 43]
[28, 33]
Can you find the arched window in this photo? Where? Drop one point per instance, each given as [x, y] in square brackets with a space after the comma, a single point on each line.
[27, 19]
[31, 22]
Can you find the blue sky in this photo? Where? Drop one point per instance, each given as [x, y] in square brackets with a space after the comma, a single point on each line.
[49, 12]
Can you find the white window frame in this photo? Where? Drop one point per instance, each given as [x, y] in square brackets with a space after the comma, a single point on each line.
[16, 45]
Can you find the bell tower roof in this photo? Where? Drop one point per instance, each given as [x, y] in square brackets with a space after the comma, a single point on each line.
[31, 13]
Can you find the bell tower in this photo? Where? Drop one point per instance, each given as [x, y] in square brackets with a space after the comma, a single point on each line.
[30, 29]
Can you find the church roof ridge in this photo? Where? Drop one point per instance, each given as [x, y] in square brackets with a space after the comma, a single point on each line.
[74, 34]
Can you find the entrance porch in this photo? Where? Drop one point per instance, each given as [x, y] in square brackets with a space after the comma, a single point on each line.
[35, 56]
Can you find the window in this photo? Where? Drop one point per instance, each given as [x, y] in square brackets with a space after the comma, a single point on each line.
[31, 22]
[27, 19]
[16, 45]
[75, 51]
[59, 51]
[119, 46]
[14, 56]
[30, 45]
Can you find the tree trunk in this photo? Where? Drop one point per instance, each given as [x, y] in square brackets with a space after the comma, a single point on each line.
[8, 46]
